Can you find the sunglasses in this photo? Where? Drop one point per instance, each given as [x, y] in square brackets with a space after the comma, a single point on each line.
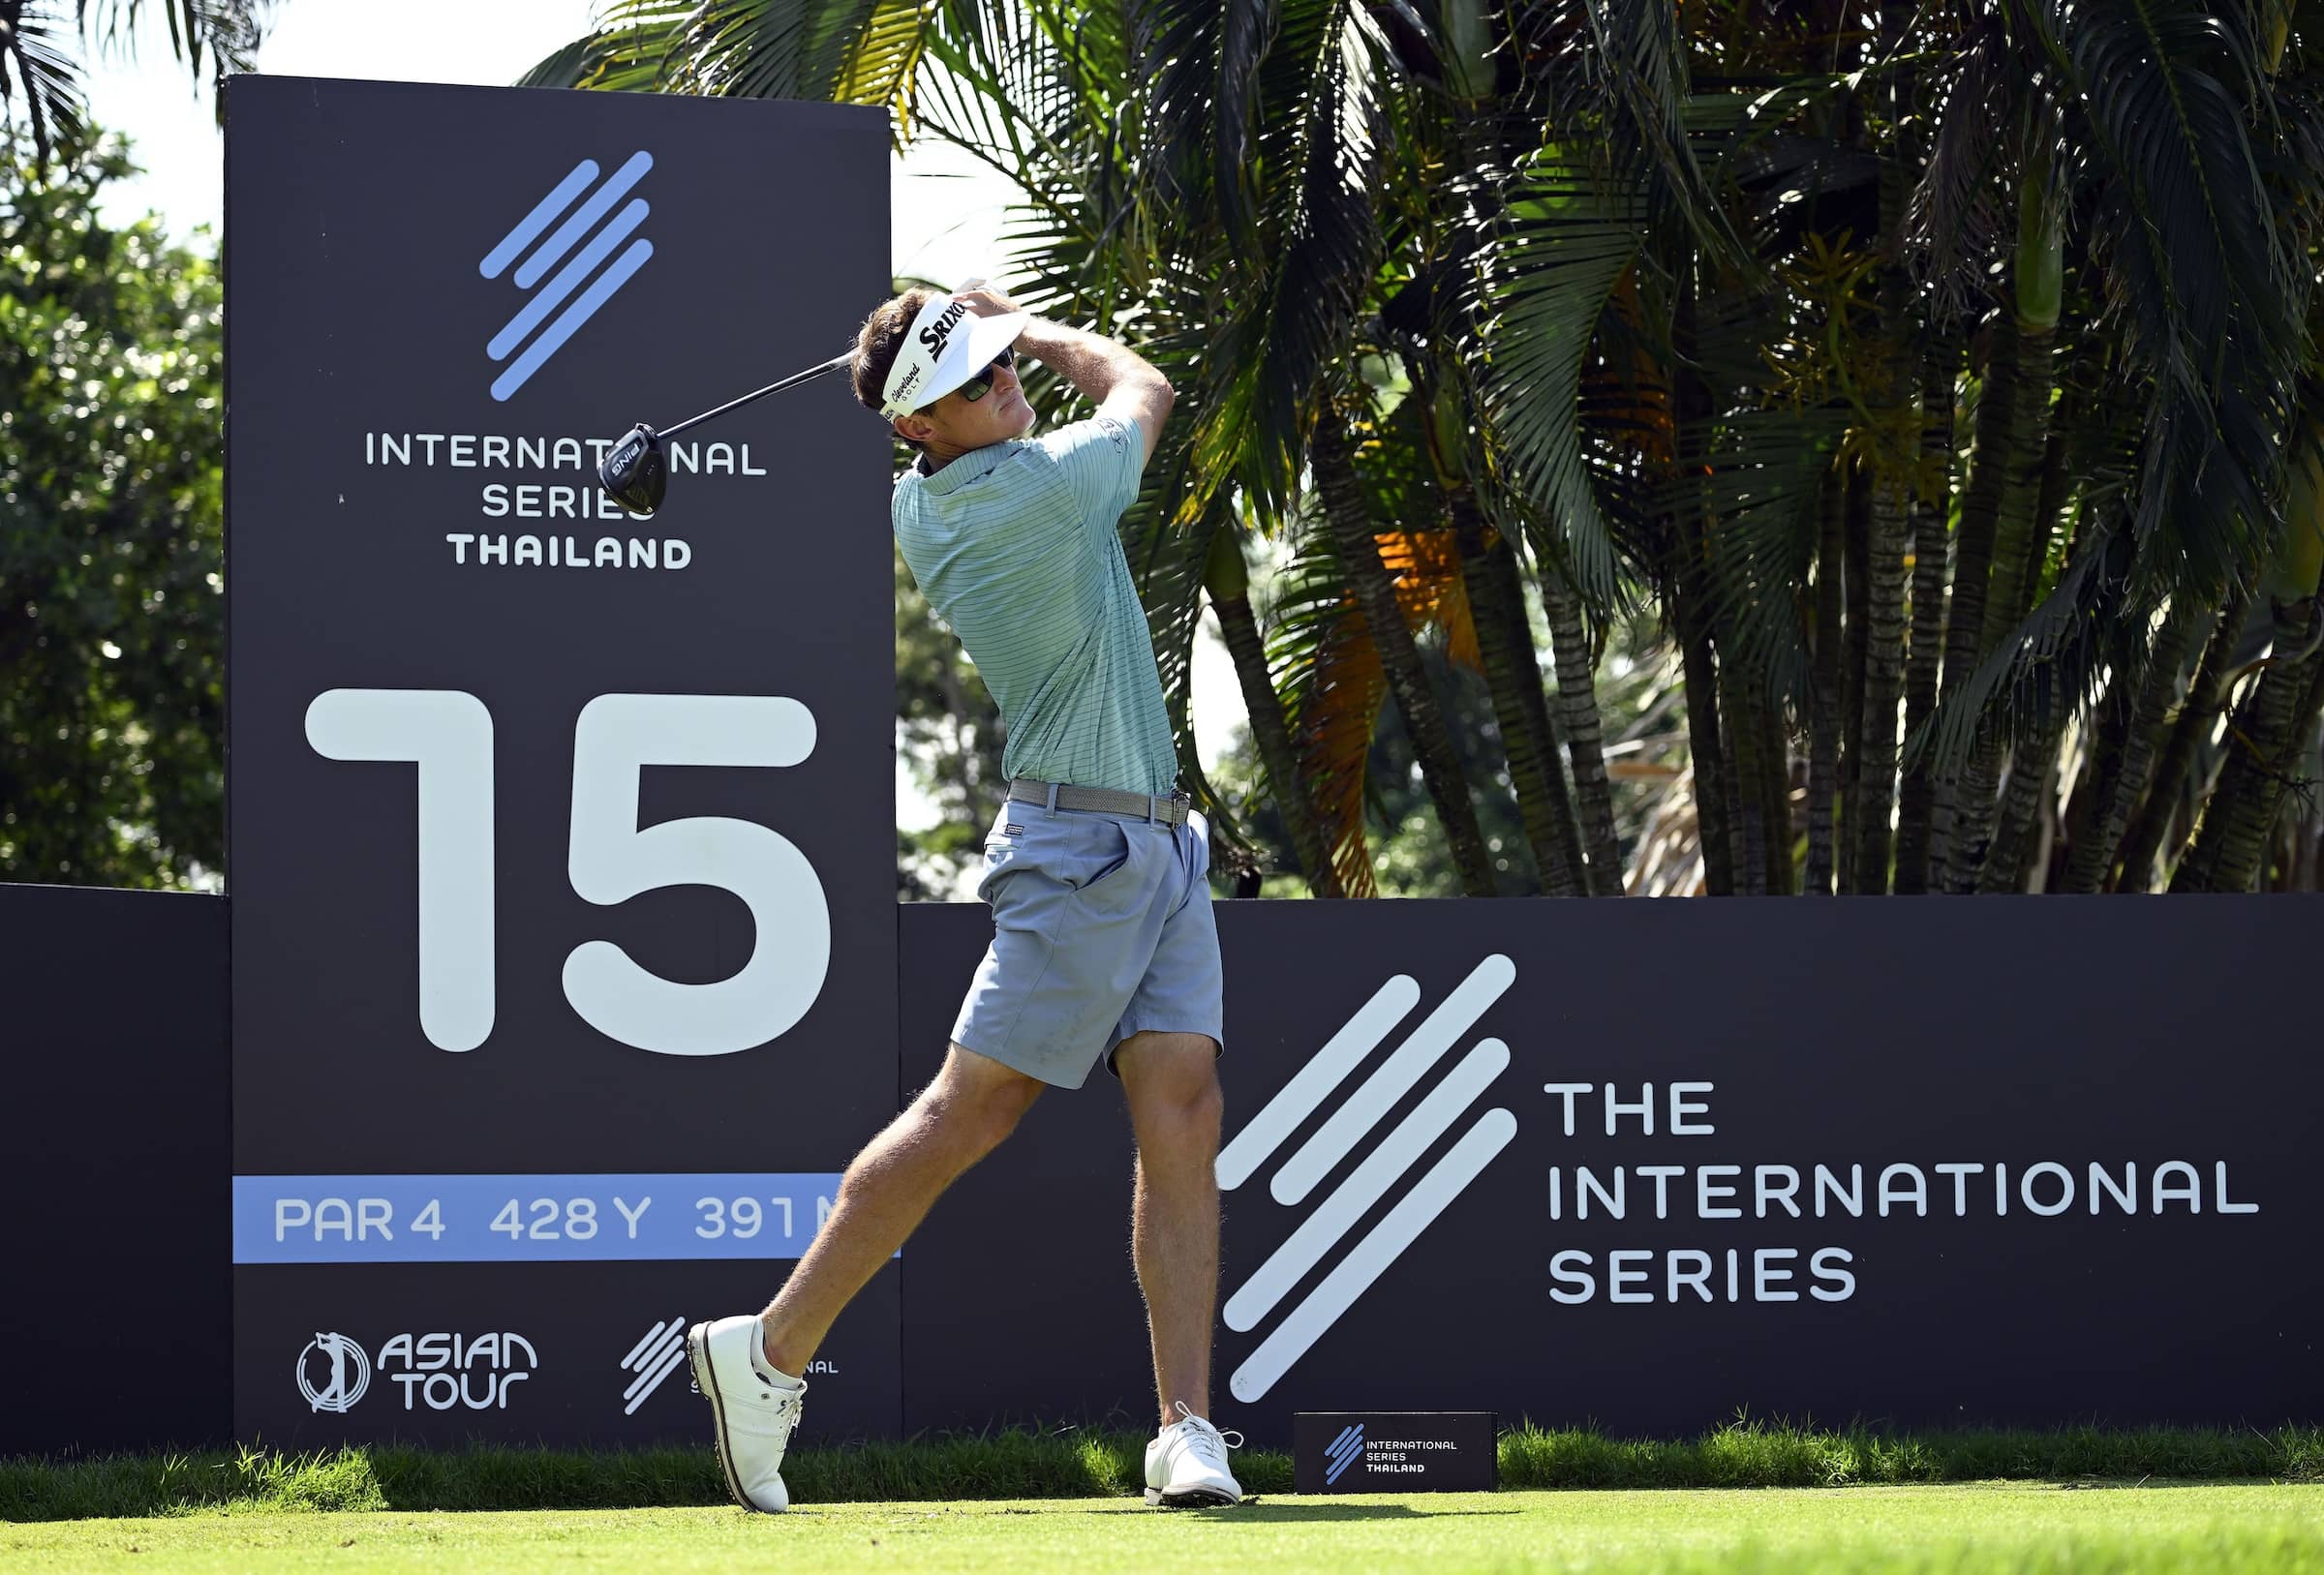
[981, 385]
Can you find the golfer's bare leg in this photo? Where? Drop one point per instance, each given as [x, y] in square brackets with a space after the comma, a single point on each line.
[1172, 1080]
[972, 1105]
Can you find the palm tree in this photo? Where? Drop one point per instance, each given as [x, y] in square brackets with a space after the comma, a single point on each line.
[38, 68]
[1945, 361]
[1227, 579]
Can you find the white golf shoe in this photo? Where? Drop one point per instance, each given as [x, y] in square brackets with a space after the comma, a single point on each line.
[754, 1416]
[1186, 1464]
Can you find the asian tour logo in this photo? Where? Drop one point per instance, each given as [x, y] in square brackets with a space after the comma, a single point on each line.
[574, 293]
[346, 1372]
[439, 1370]
[1379, 1172]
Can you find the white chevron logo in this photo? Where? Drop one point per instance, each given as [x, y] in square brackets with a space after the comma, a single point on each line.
[1384, 1168]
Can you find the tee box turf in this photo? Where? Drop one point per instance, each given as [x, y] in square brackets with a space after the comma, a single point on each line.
[1394, 1451]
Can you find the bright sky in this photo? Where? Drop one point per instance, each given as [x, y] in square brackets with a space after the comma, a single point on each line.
[947, 209]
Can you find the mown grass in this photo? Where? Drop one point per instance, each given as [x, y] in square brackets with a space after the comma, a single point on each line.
[1026, 1464]
[1946, 1528]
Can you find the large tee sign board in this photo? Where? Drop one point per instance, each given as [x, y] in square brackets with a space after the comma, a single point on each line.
[563, 930]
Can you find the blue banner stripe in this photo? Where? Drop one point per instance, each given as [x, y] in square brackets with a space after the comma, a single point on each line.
[533, 223]
[528, 1219]
[601, 202]
[554, 336]
[544, 300]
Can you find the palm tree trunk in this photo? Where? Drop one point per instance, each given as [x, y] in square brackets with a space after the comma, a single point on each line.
[1227, 583]
[1775, 788]
[1917, 798]
[2032, 771]
[2123, 754]
[1505, 646]
[1747, 774]
[1706, 744]
[1887, 537]
[1856, 650]
[2205, 695]
[2019, 533]
[1578, 708]
[1972, 565]
[2241, 817]
[2034, 762]
[1893, 389]
[1375, 593]
[1687, 592]
[1823, 717]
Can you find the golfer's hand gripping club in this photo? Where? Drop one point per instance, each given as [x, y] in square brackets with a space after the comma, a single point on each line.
[634, 472]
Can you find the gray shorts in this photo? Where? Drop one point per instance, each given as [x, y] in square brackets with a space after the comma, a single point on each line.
[1101, 929]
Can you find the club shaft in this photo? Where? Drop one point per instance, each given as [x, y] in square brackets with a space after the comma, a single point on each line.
[792, 381]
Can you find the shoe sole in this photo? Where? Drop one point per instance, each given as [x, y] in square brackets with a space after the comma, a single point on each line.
[697, 1351]
[1196, 1499]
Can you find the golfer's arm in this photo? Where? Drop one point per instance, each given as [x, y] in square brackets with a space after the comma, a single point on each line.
[1120, 382]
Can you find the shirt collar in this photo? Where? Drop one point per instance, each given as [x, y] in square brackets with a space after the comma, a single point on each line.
[969, 467]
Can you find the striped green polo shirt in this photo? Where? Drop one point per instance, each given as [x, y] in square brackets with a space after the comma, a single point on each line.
[1016, 547]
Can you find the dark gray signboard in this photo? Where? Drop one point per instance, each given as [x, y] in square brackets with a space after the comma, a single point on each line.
[1394, 1451]
[1645, 1165]
[114, 1056]
[563, 935]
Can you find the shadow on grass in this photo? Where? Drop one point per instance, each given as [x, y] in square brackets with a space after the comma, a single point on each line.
[1269, 1510]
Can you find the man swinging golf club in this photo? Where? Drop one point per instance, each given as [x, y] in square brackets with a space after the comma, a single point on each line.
[1104, 945]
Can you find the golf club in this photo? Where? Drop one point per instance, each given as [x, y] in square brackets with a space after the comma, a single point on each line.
[633, 473]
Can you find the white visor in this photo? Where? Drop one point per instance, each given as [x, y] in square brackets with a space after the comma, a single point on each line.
[946, 346]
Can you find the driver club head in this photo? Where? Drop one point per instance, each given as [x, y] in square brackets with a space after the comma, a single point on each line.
[633, 473]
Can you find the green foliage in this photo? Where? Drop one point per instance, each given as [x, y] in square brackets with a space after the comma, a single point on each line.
[950, 736]
[111, 544]
[1757, 1454]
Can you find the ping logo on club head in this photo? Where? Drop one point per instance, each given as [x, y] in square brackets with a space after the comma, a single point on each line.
[582, 273]
[1380, 1171]
[1342, 1452]
[654, 1359]
[345, 1374]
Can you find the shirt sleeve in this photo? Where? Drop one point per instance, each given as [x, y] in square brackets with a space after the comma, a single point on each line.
[1101, 460]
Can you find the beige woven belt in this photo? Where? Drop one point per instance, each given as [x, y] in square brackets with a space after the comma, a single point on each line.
[1169, 808]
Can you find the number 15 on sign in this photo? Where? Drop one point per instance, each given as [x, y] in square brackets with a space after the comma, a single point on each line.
[447, 733]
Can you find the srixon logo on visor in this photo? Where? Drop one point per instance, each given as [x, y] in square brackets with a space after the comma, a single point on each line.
[939, 332]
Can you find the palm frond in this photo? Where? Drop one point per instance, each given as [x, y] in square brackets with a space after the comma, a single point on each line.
[2053, 661]
[1759, 473]
[1566, 238]
[1640, 63]
[1955, 222]
[2208, 294]
[1324, 664]
[226, 31]
[1203, 58]
[1285, 321]
[36, 69]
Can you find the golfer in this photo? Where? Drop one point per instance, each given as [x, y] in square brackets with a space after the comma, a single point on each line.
[1103, 945]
